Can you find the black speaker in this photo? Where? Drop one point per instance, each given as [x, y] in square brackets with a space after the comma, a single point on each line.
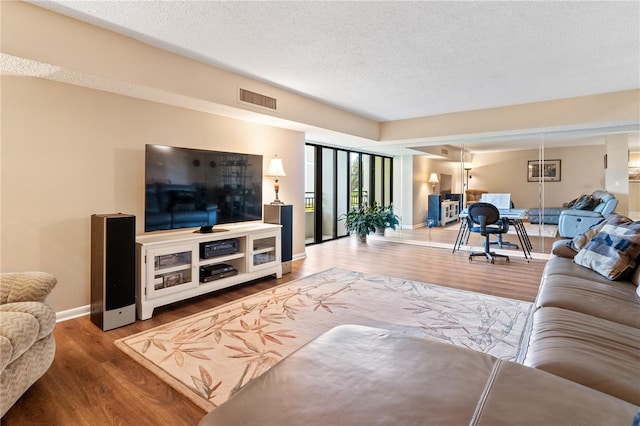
[113, 270]
[282, 215]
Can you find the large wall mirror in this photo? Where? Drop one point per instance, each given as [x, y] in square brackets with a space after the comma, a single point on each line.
[542, 173]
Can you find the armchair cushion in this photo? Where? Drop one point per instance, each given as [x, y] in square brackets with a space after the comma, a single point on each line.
[26, 286]
[614, 251]
[43, 314]
[27, 345]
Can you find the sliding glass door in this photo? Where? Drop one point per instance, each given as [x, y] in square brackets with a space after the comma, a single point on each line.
[338, 180]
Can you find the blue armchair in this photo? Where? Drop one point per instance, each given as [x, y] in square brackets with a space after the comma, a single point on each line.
[574, 222]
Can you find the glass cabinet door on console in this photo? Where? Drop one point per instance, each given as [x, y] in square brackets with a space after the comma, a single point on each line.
[171, 270]
[265, 251]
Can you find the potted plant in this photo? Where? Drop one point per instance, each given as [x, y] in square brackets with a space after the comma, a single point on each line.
[384, 218]
[361, 221]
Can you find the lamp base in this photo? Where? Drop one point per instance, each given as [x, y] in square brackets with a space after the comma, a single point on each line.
[277, 202]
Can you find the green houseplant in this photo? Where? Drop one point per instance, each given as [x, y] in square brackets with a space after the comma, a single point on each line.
[384, 217]
[361, 220]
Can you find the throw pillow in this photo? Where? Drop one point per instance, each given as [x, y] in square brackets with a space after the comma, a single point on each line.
[570, 203]
[585, 202]
[563, 248]
[580, 241]
[614, 251]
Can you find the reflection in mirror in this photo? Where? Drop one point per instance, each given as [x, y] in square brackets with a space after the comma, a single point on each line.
[566, 165]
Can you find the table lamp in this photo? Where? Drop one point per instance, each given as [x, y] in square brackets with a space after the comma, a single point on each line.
[276, 171]
[433, 180]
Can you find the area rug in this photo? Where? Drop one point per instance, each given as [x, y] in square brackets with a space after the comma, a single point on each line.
[211, 355]
[533, 230]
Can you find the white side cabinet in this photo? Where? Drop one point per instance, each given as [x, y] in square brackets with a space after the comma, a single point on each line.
[449, 211]
[170, 266]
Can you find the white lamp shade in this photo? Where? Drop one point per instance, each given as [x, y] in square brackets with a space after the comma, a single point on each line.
[433, 178]
[275, 169]
[467, 166]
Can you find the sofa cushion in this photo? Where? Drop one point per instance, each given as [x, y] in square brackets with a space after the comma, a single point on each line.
[355, 375]
[564, 266]
[597, 353]
[613, 252]
[611, 300]
[21, 331]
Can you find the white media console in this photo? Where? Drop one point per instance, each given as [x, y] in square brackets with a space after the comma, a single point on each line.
[168, 265]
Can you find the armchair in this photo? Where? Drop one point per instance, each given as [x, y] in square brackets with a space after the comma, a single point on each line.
[575, 222]
[473, 196]
[27, 345]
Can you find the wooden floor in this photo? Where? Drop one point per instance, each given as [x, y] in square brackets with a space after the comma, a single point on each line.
[91, 382]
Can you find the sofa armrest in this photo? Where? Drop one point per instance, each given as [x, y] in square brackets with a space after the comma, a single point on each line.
[571, 225]
[25, 286]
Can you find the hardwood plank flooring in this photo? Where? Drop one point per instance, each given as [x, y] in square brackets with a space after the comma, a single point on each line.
[91, 382]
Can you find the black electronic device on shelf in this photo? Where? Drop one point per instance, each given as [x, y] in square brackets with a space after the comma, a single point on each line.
[219, 248]
[215, 272]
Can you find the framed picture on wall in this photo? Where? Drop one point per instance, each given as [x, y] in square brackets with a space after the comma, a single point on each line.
[547, 171]
[634, 174]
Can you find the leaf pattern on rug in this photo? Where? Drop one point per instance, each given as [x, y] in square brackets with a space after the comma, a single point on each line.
[215, 353]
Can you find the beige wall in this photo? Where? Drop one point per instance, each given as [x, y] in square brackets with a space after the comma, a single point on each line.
[69, 152]
[582, 172]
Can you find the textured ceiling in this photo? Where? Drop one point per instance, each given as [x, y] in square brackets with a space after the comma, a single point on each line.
[395, 60]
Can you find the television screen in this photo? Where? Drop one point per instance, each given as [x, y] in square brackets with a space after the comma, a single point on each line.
[187, 188]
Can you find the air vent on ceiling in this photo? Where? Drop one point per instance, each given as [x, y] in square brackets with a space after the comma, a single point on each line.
[445, 151]
[253, 98]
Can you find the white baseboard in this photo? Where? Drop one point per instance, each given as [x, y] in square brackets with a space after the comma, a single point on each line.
[73, 313]
[299, 256]
[417, 226]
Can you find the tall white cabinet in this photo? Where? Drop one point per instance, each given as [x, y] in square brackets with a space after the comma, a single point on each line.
[169, 265]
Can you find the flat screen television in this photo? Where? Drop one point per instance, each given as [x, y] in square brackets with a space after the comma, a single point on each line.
[188, 188]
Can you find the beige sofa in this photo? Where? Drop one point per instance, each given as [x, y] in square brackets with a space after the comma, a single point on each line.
[581, 361]
[27, 347]
[355, 375]
[586, 327]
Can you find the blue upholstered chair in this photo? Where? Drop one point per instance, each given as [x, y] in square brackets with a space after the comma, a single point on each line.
[574, 222]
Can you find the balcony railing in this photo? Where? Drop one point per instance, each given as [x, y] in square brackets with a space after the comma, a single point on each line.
[310, 200]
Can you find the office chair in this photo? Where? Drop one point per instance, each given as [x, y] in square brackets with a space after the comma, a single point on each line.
[481, 217]
[504, 222]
